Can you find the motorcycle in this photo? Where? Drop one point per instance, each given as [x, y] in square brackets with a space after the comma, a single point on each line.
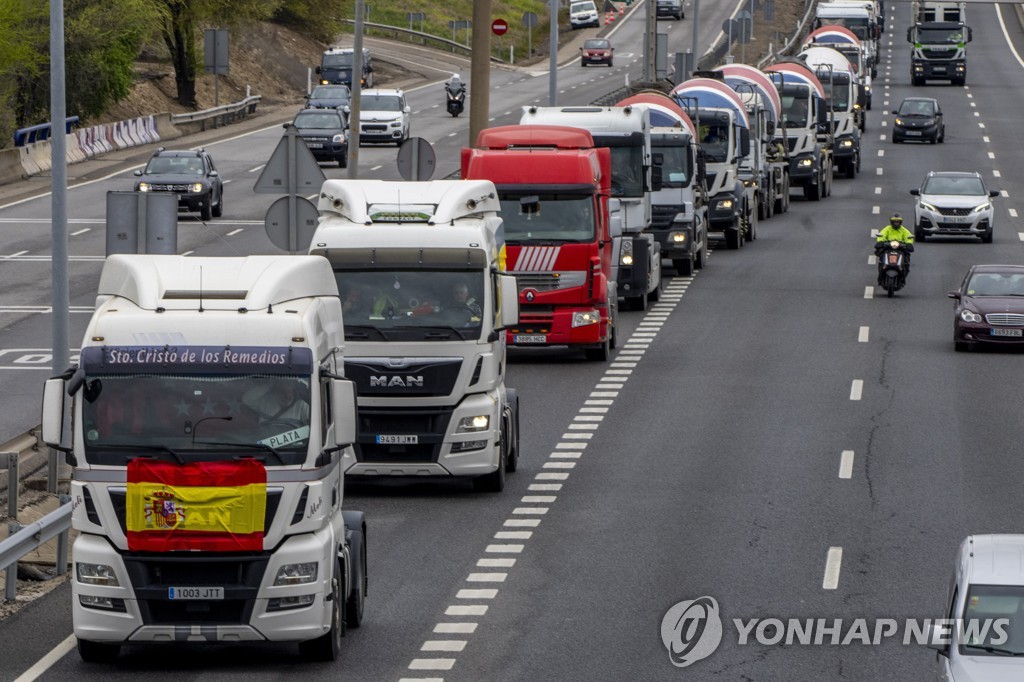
[456, 100]
[892, 261]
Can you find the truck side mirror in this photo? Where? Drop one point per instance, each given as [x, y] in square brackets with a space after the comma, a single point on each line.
[529, 205]
[615, 218]
[317, 70]
[343, 411]
[770, 128]
[910, 37]
[970, 34]
[508, 302]
[656, 179]
[744, 141]
[54, 394]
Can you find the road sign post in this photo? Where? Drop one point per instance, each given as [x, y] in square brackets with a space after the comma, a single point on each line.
[529, 21]
[215, 43]
[416, 160]
[291, 220]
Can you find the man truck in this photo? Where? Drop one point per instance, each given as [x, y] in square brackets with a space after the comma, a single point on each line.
[209, 416]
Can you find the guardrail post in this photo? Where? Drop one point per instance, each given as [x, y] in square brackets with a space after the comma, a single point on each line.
[62, 544]
[11, 577]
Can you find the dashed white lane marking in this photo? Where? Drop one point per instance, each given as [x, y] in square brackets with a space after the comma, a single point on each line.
[376, 168]
[973, 105]
[977, 113]
[455, 628]
[453, 134]
[862, 335]
[833, 564]
[869, 292]
[970, 96]
[541, 487]
[996, 174]
[846, 464]
[875, 210]
[874, 233]
[82, 231]
[257, 168]
[1004, 193]
[856, 389]
[1020, 235]
[872, 260]
[1013, 213]
[881, 152]
[882, 137]
[232, 233]
[981, 125]
[985, 138]
[471, 610]
[444, 645]
[991, 155]
[505, 549]
[487, 577]
[878, 171]
[421, 679]
[878, 190]
[432, 664]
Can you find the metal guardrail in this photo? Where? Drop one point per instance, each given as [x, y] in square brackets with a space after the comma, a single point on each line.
[224, 114]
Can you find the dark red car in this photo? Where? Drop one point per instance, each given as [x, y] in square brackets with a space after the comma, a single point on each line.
[989, 308]
[596, 51]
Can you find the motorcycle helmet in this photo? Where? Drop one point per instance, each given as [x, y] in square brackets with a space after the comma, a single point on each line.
[896, 220]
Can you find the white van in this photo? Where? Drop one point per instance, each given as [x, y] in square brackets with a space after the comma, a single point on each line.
[583, 14]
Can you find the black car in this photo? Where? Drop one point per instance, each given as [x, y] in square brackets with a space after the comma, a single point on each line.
[188, 173]
[918, 118]
[325, 132]
[671, 9]
[989, 307]
[329, 97]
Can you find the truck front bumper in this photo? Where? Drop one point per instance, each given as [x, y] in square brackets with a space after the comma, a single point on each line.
[568, 326]
[945, 70]
[723, 213]
[803, 171]
[676, 240]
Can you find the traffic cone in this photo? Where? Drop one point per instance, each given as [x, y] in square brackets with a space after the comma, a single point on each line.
[622, 10]
[609, 17]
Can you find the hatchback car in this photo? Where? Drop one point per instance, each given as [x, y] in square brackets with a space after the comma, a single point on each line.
[583, 14]
[918, 118]
[596, 51]
[384, 116]
[325, 132]
[985, 606]
[188, 173]
[953, 203]
[329, 97]
[989, 307]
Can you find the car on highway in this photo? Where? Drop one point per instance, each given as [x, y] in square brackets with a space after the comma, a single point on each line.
[329, 97]
[384, 116]
[985, 603]
[953, 203]
[596, 51]
[325, 132]
[190, 174]
[583, 14]
[671, 9]
[988, 307]
[918, 118]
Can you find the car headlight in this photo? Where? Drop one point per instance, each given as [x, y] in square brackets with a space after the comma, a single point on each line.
[928, 207]
[626, 257]
[585, 318]
[339, 138]
[396, 124]
[983, 207]
[296, 574]
[846, 143]
[96, 574]
[899, 121]
[725, 204]
[196, 187]
[145, 187]
[970, 316]
[677, 237]
[323, 82]
[478, 422]
[805, 163]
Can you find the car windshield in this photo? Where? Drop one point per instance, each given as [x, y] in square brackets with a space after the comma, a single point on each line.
[323, 121]
[197, 417]
[548, 218]
[968, 187]
[582, 7]
[995, 284]
[330, 92]
[182, 165]
[412, 304]
[917, 108]
[597, 44]
[993, 621]
[676, 168]
[381, 103]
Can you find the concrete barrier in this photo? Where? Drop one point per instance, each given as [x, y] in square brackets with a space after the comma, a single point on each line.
[11, 169]
[74, 152]
[140, 130]
[84, 136]
[132, 128]
[40, 152]
[27, 162]
[165, 127]
[118, 136]
[106, 138]
[151, 128]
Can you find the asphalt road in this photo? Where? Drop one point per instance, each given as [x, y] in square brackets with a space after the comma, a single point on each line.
[716, 440]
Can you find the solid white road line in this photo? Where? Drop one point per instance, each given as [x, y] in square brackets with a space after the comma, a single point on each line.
[832, 566]
[862, 335]
[856, 389]
[46, 662]
[846, 464]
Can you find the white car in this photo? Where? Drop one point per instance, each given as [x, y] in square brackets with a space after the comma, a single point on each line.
[583, 14]
[384, 116]
[953, 203]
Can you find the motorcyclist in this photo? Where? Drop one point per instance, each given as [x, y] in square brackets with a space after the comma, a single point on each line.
[895, 231]
[455, 85]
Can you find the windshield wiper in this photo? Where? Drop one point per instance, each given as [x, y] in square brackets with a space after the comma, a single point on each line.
[269, 448]
[993, 649]
[362, 332]
[438, 329]
[157, 448]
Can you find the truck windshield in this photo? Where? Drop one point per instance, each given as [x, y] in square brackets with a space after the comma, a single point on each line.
[794, 108]
[338, 61]
[412, 304]
[935, 36]
[554, 218]
[714, 140]
[199, 418]
[837, 91]
[676, 166]
[627, 171]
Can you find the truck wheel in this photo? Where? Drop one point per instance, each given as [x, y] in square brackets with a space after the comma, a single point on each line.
[326, 647]
[813, 192]
[733, 239]
[701, 259]
[512, 460]
[655, 295]
[599, 354]
[493, 482]
[98, 652]
[851, 169]
[356, 603]
[684, 266]
[637, 302]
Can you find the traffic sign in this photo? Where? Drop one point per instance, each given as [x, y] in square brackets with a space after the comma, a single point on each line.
[277, 223]
[416, 159]
[529, 19]
[499, 27]
[308, 175]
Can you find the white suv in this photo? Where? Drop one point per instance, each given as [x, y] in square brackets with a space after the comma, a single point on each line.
[384, 116]
[953, 203]
[583, 14]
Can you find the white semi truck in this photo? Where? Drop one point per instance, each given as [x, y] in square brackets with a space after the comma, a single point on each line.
[209, 419]
[420, 267]
[842, 93]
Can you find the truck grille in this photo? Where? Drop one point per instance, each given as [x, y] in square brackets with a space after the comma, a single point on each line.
[428, 424]
[1006, 319]
[548, 281]
[420, 377]
[661, 216]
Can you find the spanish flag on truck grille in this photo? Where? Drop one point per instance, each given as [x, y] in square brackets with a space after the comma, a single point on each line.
[210, 506]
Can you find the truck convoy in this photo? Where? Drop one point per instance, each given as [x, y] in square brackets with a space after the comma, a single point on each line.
[805, 129]
[724, 134]
[863, 18]
[844, 41]
[209, 418]
[420, 268]
[767, 165]
[679, 210]
[939, 51]
[626, 131]
[842, 94]
[554, 186]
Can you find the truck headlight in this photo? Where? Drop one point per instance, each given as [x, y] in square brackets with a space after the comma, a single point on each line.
[585, 318]
[145, 187]
[677, 237]
[846, 143]
[338, 139]
[479, 422]
[970, 316]
[805, 163]
[626, 257]
[725, 204]
[108, 603]
[96, 574]
[296, 574]
[196, 187]
[983, 207]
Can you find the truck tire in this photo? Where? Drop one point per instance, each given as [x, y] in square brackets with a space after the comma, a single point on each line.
[851, 169]
[813, 192]
[493, 482]
[327, 646]
[599, 354]
[98, 652]
[637, 302]
[733, 239]
[512, 459]
[751, 224]
[654, 295]
[356, 603]
[684, 266]
[701, 259]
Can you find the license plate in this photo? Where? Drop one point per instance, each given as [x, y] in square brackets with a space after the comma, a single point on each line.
[914, 132]
[1007, 332]
[314, 145]
[529, 338]
[383, 439]
[940, 69]
[954, 219]
[894, 259]
[195, 593]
